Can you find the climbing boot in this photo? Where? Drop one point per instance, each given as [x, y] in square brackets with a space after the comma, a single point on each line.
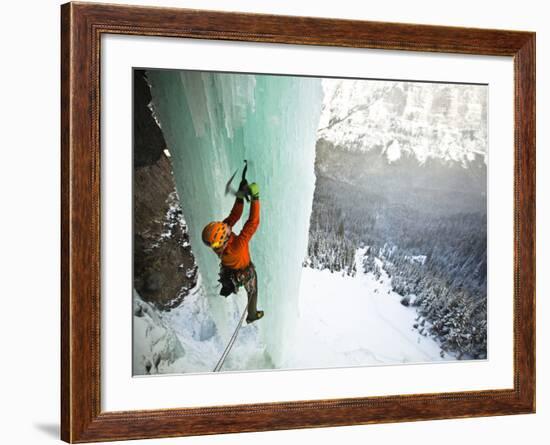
[259, 314]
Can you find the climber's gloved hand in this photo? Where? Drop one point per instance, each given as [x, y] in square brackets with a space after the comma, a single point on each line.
[254, 191]
[243, 189]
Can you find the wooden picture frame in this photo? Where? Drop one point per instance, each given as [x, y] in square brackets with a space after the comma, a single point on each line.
[82, 26]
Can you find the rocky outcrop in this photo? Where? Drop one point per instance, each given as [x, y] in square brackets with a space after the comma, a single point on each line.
[164, 265]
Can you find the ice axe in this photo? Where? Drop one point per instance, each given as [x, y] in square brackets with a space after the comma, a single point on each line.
[239, 193]
[228, 188]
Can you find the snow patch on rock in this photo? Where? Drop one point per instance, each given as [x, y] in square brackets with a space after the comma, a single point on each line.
[156, 345]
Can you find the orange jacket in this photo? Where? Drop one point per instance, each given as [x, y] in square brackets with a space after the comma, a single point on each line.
[236, 254]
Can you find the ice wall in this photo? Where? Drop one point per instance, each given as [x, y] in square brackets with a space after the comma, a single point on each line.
[211, 122]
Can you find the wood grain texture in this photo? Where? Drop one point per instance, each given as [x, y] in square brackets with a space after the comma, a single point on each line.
[82, 26]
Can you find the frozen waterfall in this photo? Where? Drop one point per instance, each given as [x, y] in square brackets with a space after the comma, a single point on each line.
[212, 122]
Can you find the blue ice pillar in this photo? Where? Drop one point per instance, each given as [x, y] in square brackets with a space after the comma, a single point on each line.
[212, 122]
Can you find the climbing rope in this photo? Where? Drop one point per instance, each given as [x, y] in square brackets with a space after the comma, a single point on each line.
[221, 361]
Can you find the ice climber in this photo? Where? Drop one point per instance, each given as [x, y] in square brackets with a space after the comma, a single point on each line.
[236, 268]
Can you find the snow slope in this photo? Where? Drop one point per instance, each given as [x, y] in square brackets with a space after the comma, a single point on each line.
[353, 321]
[156, 347]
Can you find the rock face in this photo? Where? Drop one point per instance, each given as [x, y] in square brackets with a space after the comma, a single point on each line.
[149, 142]
[164, 265]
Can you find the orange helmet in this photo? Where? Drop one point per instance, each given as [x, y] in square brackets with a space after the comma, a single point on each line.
[216, 234]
